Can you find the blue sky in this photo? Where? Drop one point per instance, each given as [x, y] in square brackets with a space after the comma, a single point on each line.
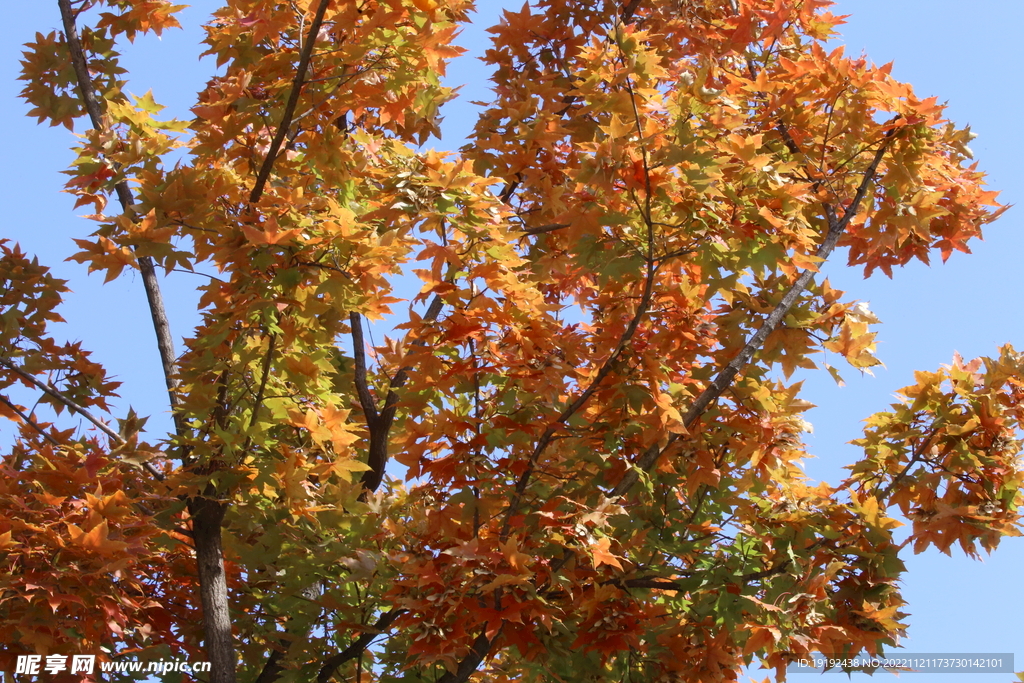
[969, 54]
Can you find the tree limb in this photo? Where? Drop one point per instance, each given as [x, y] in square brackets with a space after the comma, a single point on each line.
[264, 377]
[29, 421]
[629, 10]
[540, 229]
[380, 425]
[73, 406]
[655, 583]
[357, 646]
[468, 665]
[620, 347]
[725, 377]
[359, 353]
[289, 109]
[158, 313]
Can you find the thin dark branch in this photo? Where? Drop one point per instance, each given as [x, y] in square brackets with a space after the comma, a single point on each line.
[380, 427]
[289, 109]
[629, 10]
[273, 668]
[540, 229]
[726, 376]
[431, 314]
[69, 403]
[481, 646]
[29, 421]
[915, 458]
[606, 368]
[265, 375]
[656, 583]
[510, 188]
[158, 313]
[76, 408]
[358, 646]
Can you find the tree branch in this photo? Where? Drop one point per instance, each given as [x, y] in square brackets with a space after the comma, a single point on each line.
[629, 10]
[264, 377]
[289, 109]
[273, 668]
[725, 377]
[540, 229]
[627, 335]
[380, 426]
[29, 421]
[53, 391]
[74, 407]
[915, 458]
[655, 583]
[357, 646]
[158, 313]
[359, 353]
[468, 665]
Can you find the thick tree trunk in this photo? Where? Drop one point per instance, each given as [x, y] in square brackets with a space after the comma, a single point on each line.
[207, 515]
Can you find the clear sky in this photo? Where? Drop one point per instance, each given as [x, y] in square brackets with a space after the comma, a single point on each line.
[970, 54]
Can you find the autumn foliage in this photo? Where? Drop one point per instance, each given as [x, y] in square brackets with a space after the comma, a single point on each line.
[575, 457]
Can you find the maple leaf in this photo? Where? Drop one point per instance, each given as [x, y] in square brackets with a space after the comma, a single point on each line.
[95, 539]
[599, 550]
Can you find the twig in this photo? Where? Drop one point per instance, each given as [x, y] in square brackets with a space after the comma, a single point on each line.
[915, 458]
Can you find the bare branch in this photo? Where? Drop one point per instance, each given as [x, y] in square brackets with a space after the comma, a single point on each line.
[69, 403]
[53, 391]
[629, 10]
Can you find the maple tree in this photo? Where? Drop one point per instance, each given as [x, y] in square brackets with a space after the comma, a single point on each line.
[589, 394]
